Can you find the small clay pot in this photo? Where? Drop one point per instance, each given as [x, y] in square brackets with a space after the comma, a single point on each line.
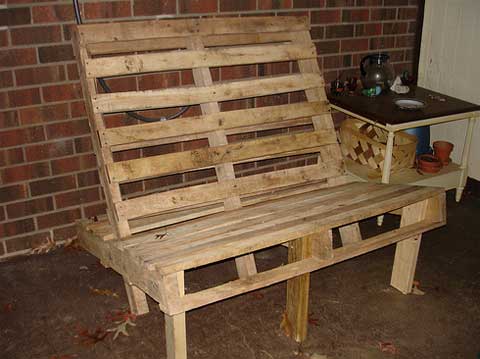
[442, 150]
[429, 163]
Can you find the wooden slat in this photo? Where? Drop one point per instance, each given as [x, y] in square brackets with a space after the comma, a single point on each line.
[211, 156]
[181, 96]
[134, 30]
[169, 43]
[188, 59]
[213, 192]
[182, 127]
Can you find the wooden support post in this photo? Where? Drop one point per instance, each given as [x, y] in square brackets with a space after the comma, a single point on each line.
[406, 253]
[350, 233]
[136, 298]
[464, 163]
[318, 245]
[175, 326]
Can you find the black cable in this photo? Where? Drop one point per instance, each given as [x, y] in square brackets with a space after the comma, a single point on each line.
[106, 88]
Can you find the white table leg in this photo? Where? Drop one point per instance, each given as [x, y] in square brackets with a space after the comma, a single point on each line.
[465, 156]
[387, 166]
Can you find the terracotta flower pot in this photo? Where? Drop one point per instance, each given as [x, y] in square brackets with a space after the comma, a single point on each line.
[442, 150]
[429, 164]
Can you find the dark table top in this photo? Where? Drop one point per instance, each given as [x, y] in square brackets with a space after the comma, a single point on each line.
[383, 110]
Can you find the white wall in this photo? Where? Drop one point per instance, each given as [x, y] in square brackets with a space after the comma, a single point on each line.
[450, 64]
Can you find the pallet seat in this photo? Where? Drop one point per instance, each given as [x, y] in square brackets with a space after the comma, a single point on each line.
[267, 140]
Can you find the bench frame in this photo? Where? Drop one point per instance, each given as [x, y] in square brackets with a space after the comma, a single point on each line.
[136, 221]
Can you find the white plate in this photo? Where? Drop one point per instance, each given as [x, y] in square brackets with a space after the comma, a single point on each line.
[409, 104]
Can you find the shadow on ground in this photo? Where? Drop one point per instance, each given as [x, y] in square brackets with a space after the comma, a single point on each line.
[49, 302]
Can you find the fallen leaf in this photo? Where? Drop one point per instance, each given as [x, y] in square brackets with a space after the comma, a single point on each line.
[286, 326]
[91, 338]
[416, 288]
[66, 356]
[121, 328]
[312, 320]
[387, 347]
[105, 292]
[120, 315]
[8, 308]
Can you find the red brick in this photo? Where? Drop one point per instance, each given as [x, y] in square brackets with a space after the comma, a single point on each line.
[68, 129]
[6, 79]
[49, 150]
[21, 136]
[26, 97]
[9, 229]
[131, 188]
[62, 92]
[269, 69]
[317, 32]
[72, 71]
[271, 100]
[356, 15]
[327, 47]
[2, 215]
[40, 75]
[200, 175]
[18, 57]
[36, 35]
[333, 62]
[164, 181]
[340, 3]
[83, 144]
[413, 27]
[27, 208]
[15, 16]
[52, 13]
[326, 16]
[78, 109]
[65, 233]
[274, 4]
[72, 164]
[122, 84]
[369, 2]
[87, 179]
[67, 30]
[154, 7]
[302, 4]
[43, 114]
[197, 6]
[395, 2]
[382, 43]
[55, 53]
[8, 119]
[405, 41]
[237, 72]
[354, 45]
[12, 156]
[52, 185]
[374, 29]
[26, 242]
[339, 31]
[95, 210]
[58, 218]
[3, 38]
[13, 193]
[393, 28]
[74, 198]
[107, 10]
[407, 13]
[235, 5]
[25, 172]
[383, 14]
[158, 81]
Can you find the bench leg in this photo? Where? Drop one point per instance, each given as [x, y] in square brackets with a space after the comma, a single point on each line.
[350, 233]
[176, 335]
[406, 253]
[136, 298]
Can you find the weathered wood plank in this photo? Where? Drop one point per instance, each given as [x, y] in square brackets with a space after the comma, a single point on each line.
[207, 157]
[191, 95]
[213, 192]
[189, 59]
[134, 30]
[251, 118]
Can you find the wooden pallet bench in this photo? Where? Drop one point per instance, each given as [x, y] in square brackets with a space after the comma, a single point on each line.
[151, 238]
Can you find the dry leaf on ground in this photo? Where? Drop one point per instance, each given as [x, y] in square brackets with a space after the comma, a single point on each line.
[105, 292]
[121, 328]
[387, 347]
[91, 338]
[285, 325]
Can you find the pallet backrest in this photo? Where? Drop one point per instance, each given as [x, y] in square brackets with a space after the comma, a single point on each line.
[123, 50]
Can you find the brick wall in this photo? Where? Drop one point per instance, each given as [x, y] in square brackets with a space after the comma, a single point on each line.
[47, 169]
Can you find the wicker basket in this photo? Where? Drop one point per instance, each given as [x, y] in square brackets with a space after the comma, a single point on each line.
[366, 144]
